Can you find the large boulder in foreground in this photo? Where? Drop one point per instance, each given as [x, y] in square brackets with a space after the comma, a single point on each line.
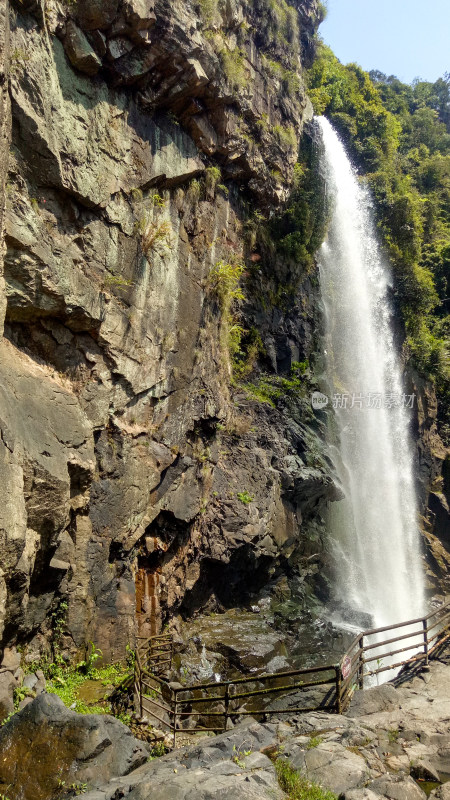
[46, 744]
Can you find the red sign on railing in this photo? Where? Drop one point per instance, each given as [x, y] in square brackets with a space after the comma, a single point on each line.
[346, 667]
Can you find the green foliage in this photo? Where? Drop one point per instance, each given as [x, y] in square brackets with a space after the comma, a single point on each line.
[20, 693]
[66, 681]
[289, 78]
[117, 280]
[246, 355]
[233, 65]
[245, 497]
[137, 195]
[194, 191]
[224, 283]
[158, 201]
[273, 389]
[393, 735]
[156, 235]
[87, 666]
[296, 786]
[399, 137]
[239, 756]
[299, 231]
[279, 29]
[207, 10]
[286, 135]
[157, 750]
[314, 741]
[212, 178]
[224, 280]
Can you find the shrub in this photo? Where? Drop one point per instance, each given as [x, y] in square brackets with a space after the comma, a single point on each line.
[156, 235]
[233, 65]
[207, 10]
[224, 282]
[212, 178]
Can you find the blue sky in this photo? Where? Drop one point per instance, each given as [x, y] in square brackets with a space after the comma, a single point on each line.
[406, 38]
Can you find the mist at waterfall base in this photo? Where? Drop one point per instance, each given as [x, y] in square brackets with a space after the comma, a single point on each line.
[375, 543]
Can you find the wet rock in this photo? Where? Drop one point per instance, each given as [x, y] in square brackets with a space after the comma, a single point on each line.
[244, 641]
[67, 746]
[424, 770]
[123, 337]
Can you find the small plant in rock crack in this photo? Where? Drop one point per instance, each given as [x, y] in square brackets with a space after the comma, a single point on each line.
[158, 201]
[88, 664]
[245, 497]
[156, 235]
[20, 693]
[314, 741]
[158, 749]
[238, 756]
[393, 735]
[297, 786]
[117, 280]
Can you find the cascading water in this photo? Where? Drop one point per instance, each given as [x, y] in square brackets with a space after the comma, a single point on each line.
[374, 529]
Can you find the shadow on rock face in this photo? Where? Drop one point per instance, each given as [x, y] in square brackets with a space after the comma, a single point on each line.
[46, 744]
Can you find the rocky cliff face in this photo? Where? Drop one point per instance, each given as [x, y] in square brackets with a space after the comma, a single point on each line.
[149, 143]
[144, 137]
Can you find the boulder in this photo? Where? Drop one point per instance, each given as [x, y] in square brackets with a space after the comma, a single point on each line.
[226, 767]
[80, 53]
[11, 659]
[397, 788]
[94, 14]
[442, 793]
[371, 701]
[7, 685]
[47, 743]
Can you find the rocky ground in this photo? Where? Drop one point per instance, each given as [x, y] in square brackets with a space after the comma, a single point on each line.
[393, 743]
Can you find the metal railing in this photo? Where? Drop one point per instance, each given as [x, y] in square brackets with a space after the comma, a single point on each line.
[209, 706]
[369, 654]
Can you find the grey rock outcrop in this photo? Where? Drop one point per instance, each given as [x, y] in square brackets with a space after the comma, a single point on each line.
[380, 750]
[371, 754]
[46, 746]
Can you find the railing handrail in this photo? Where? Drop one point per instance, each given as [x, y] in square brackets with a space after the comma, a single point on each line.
[344, 686]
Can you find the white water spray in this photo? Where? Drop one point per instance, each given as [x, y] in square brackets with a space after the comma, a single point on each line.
[374, 530]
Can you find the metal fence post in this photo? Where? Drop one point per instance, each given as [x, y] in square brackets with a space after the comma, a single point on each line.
[425, 640]
[174, 719]
[338, 689]
[227, 704]
[361, 663]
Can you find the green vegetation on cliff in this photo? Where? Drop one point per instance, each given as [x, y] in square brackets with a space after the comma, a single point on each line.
[399, 138]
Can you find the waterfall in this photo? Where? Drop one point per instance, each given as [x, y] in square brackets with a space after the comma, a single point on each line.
[374, 529]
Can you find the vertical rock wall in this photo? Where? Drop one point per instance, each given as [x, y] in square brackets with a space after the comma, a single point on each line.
[5, 133]
[144, 135]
